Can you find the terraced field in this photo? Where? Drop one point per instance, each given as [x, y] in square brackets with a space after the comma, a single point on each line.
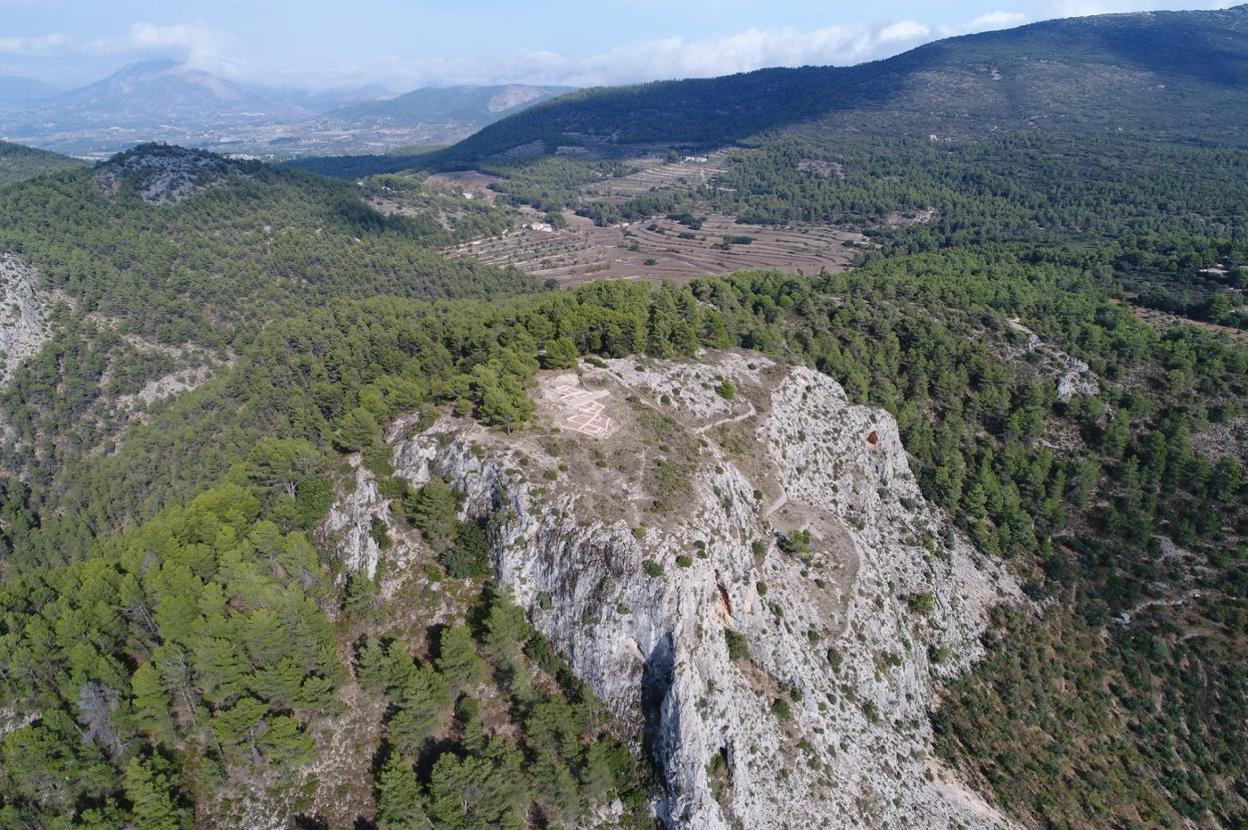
[656, 174]
[663, 249]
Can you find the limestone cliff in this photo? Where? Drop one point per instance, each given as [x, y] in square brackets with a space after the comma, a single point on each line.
[741, 564]
[23, 314]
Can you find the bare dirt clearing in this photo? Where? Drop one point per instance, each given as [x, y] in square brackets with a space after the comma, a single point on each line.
[467, 184]
[1164, 319]
[664, 249]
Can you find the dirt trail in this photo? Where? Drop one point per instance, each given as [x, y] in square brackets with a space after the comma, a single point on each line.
[1196, 593]
[735, 419]
[776, 505]
[750, 412]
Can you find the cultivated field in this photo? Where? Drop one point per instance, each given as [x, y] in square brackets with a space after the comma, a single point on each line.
[663, 249]
[655, 174]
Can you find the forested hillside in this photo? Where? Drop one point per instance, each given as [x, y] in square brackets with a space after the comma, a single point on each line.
[18, 163]
[1070, 493]
[1054, 318]
[164, 261]
[1172, 74]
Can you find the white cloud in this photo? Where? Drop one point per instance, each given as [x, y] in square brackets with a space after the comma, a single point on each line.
[663, 57]
[903, 32]
[985, 23]
[668, 57]
[677, 57]
[195, 41]
[41, 46]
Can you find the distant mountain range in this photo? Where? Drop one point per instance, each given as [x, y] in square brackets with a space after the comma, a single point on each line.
[14, 88]
[1178, 74]
[325, 101]
[1167, 74]
[172, 102]
[469, 105]
[156, 92]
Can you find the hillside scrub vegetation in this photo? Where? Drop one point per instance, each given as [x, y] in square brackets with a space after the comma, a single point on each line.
[1064, 490]
[179, 646]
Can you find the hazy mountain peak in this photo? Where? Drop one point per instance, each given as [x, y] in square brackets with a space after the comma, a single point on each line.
[149, 67]
[513, 96]
[151, 98]
[477, 105]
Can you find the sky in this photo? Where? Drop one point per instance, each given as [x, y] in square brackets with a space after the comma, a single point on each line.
[404, 44]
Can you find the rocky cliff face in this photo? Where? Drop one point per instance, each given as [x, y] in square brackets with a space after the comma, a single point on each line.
[741, 565]
[23, 314]
[350, 522]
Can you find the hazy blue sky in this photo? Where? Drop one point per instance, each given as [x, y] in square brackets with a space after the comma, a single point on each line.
[400, 45]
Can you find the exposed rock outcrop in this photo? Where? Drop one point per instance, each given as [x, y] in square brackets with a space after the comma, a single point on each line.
[1074, 377]
[23, 314]
[349, 525]
[748, 572]
[165, 174]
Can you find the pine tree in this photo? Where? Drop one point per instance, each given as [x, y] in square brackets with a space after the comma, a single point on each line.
[372, 667]
[469, 556]
[433, 510]
[150, 702]
[505, 630]
[506, 405]
[220, 669]
[357, 430]
[284, 743]
[557, 790]
[560, 353]
[475, 793]
[458, 659]
[552, 729]
[423, 710]
[472, 730]
[401, 801]
[151, 788]
[596, 774]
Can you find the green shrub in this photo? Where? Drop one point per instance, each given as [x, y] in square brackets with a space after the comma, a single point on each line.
[377, 530]
[923, 603]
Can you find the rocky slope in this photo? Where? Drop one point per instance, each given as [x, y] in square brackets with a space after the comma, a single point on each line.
[654, 526]
[164, 174]
[23, 314]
